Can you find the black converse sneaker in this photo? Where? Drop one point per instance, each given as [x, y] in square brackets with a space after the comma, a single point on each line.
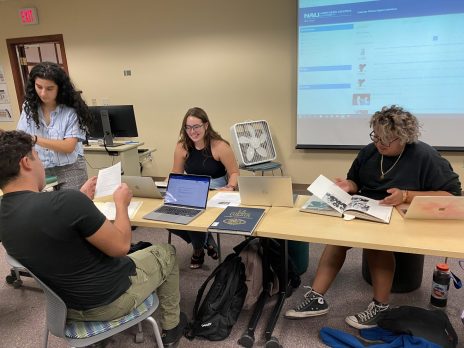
[367, 318]
[312, 305]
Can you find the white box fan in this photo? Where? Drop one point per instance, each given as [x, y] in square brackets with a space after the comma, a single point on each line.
[252, 142]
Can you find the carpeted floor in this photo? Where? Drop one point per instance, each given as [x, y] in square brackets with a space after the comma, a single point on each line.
[22, 310]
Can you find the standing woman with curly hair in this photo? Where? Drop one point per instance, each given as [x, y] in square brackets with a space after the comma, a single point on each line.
[57, 118]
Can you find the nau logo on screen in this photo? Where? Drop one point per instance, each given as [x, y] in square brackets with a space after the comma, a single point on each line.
[311, 15]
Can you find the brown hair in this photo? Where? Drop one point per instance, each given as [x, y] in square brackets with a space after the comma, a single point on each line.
[210, 133]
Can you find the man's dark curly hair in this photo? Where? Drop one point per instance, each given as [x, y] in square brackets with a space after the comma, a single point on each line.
[14, 145]
[67, 94]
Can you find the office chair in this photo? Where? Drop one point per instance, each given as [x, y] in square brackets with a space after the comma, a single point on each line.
[84, 333]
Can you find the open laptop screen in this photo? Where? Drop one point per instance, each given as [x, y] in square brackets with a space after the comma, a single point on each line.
[187, 190]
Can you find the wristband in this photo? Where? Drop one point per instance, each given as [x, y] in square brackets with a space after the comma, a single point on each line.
[35, 141]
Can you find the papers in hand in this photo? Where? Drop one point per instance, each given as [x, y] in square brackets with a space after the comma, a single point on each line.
[108, 180]
[109, 209]
[224, 199]
[356, 205]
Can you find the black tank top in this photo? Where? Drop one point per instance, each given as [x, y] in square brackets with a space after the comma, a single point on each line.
[202, 162]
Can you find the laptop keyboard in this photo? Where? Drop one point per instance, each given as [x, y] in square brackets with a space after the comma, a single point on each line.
[178, 211]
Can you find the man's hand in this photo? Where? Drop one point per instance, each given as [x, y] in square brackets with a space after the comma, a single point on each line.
[123, 195]
[89, 187]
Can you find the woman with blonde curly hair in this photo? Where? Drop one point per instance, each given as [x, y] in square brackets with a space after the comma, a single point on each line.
[393, 169]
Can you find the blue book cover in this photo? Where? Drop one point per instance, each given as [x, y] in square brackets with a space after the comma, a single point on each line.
[237, 220]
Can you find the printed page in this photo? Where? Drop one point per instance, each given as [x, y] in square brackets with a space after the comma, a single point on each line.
[326, 190]
[318, 206]
[108, 180]
[109, 209]
[370, 207]
[224, 199]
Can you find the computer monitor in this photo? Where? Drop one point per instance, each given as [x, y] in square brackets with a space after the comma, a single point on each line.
[113, 121]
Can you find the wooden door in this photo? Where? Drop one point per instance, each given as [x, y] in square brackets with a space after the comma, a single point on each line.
[26, 52]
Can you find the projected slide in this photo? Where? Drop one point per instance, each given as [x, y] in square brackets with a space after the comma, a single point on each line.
[355, 57]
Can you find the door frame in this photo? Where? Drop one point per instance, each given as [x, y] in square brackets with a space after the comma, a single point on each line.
[15, 67]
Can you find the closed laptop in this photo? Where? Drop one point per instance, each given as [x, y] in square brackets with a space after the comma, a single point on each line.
[142, 186]
[275, 191]
[434, 207]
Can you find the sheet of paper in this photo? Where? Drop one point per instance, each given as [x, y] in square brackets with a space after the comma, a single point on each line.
[224, 199]
[109, 209]
[108, 180]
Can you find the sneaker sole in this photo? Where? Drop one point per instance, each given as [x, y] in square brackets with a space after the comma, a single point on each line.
[358, 325]
[300, 315]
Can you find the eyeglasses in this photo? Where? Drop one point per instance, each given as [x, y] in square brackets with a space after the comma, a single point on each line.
[376, 139]
[194, 127]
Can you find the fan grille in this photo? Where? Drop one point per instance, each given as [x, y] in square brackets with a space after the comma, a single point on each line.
[253, 142]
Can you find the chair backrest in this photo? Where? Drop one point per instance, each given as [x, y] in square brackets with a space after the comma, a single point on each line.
[56, 310]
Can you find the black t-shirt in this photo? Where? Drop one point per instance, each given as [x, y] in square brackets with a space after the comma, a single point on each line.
[420, 168]
[46, 232]
[202, 162]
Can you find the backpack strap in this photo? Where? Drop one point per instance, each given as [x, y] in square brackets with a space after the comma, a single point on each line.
[203, 286]
[239, 247]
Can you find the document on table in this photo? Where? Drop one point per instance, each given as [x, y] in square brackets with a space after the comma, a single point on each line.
[224, 199]
[109, 209]
[108, 180]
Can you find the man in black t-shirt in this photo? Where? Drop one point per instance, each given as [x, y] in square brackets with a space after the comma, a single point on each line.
[69, 244]
[394, 169]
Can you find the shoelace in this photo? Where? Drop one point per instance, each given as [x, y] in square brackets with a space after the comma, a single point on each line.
[369, 313]
[308, 298]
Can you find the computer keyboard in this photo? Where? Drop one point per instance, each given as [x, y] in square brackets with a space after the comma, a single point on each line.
[165, 209]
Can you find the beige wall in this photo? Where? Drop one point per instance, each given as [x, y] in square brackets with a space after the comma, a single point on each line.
[236, 59]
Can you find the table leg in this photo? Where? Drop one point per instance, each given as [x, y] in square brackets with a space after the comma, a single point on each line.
[271, 341]
[248, 337]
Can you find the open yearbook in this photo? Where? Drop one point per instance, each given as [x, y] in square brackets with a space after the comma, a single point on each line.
[345, 204]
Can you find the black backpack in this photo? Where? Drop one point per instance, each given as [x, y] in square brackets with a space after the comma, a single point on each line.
[218, 312]
[433, 325]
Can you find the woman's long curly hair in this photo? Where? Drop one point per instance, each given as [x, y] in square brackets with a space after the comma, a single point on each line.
[67, 94]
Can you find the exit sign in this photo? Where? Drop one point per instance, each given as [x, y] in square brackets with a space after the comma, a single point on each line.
[28, 15]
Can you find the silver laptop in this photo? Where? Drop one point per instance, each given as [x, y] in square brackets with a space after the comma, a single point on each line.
[142, 186]
[266, 191]
[186, 197]
[434, 207]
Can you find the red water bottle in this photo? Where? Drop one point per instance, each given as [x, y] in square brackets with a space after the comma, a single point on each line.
[440, 285]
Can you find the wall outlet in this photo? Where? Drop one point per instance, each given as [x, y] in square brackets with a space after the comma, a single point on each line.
[105, 101]
[94, 102]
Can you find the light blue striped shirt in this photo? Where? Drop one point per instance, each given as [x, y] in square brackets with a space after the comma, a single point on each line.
[63, 124]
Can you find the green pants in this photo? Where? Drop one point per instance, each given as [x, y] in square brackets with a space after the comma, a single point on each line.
[157, 269]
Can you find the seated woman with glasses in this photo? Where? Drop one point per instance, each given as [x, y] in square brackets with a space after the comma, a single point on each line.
[202, 151]
[394, 169]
